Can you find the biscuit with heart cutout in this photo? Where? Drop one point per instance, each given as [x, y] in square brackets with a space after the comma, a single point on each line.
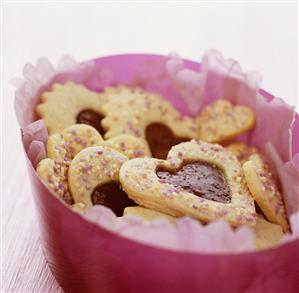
[69, 104]
[221, 121]
[94, 179]
[147, 116]
[201, 180]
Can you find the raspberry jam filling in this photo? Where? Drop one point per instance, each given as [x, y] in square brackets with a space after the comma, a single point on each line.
[202, 179]
[160, 140]
[92, 118]
[112, 196]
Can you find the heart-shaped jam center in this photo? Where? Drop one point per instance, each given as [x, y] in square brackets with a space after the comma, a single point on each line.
[201, 179]
[160, 140]
[92, 118]
[112, 196]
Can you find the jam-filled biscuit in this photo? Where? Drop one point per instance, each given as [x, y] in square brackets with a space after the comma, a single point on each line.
[221, 121]
[242, 151]
[266, 234]
[147, 116]
[94, 179]
[201, 180]
[147, 214]
[264, 190]
[68, 104]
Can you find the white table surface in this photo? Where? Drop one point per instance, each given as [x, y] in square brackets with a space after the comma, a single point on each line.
[261, 37]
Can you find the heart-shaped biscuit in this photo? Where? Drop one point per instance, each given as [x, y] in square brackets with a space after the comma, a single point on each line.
[94, 179]
[147, 116]
[221, 121]
[68, 104]
[215, 189]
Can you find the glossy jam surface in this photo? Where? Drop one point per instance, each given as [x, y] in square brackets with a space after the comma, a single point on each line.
[160, 140]
[112, 196]
[201, 179]
[92, 118]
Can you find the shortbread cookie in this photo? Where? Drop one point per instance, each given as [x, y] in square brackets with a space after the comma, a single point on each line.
[80, 136]
[266, 234]
[68, 104]
[201, 180]
[72, 140]
[131, 146]
[221, 121]
[147, 116]
[94, 179]
[54, 175]
[57, 149]
[264, 190]
[242, 151]
[147, 214]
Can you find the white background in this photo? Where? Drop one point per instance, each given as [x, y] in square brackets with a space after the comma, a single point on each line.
[261, 37]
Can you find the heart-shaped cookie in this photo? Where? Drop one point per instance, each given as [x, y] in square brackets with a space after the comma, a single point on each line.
[94, 179]
[147, 116]
[221, 121]
[212, 186]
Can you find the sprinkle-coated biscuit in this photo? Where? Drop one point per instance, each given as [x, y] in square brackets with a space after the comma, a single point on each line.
[140, 181]
[264, 190]
[221, 121]
[54, 175]
[61, 106]
[93, 167]
[133, 111]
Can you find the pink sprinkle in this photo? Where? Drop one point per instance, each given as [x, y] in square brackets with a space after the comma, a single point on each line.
[239, 218]
[122, 146]
[147, 104]
[138, 153]
[86, 168]
[222, 213]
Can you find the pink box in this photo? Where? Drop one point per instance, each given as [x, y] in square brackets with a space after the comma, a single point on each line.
[87, 258]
